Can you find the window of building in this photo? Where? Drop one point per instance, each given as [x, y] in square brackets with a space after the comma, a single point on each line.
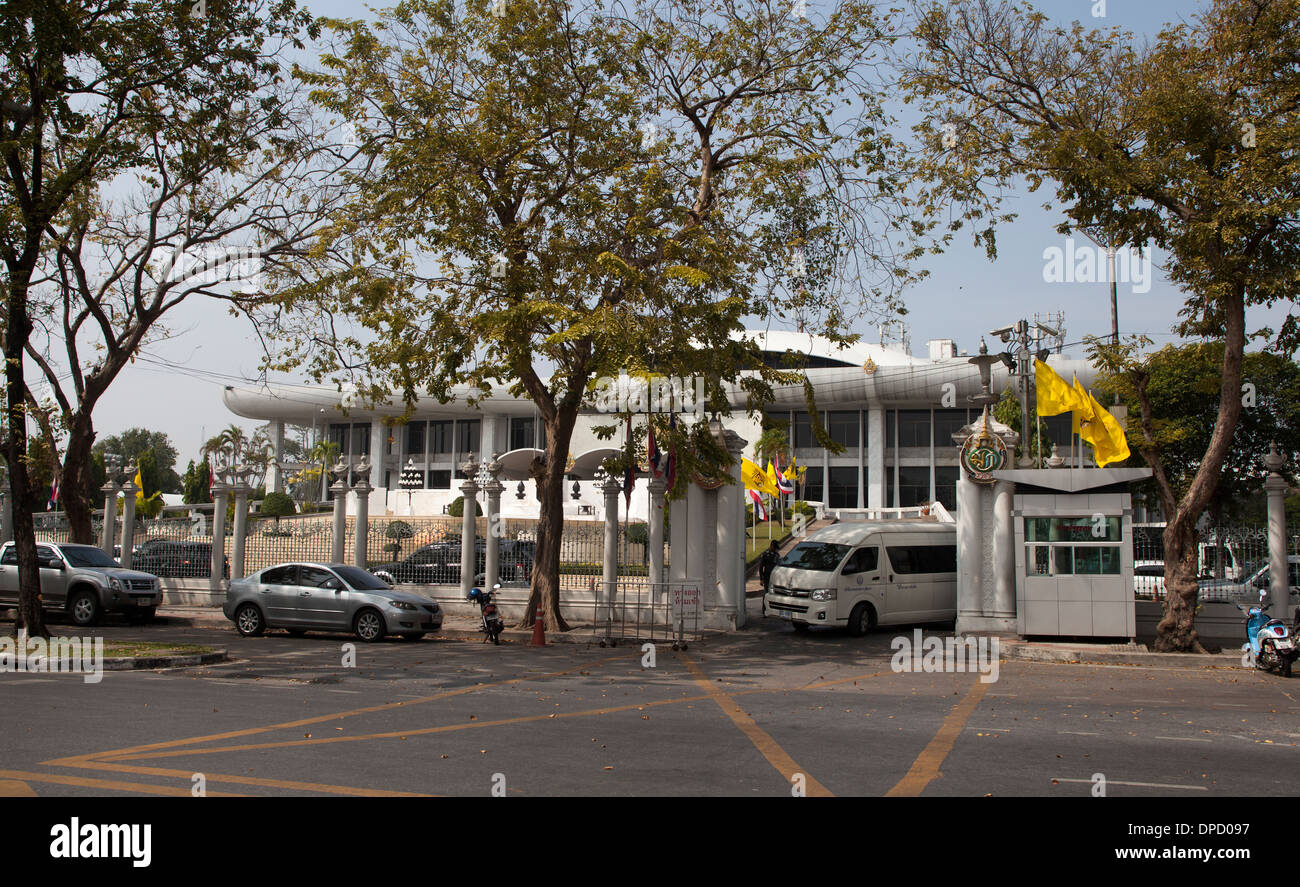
[946, 424]
[360, 440]
[844, 427]
[803, 432]
[523, 433]
[467, 436]
[440, 438]
[945, 485]
[415, 441]
[843, 492]
[914, 428]
[439, 480]
[913, 485]
[812, 487]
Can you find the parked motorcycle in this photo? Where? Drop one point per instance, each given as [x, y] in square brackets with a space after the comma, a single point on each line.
[492, 622]
[1270, 645]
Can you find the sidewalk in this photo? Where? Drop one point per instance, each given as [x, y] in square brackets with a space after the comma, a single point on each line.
[1114, 654]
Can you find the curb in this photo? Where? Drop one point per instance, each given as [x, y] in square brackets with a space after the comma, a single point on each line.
[1082, 655]
[189, 660]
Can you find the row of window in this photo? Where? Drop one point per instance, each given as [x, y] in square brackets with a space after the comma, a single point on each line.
[913, 486]
[911, 429]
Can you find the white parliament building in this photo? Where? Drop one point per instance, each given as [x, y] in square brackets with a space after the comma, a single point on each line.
[893, 413]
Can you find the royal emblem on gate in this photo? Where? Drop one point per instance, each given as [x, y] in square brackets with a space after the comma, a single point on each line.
[982, 454]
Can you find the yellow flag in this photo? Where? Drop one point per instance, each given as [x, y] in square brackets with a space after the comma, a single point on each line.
[754, 478]
[1109, 443]
[1055, 396]
[1081, 410]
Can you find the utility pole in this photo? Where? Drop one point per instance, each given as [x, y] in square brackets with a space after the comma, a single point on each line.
[1017, 360]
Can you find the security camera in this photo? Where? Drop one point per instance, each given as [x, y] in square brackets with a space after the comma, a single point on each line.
[1003, 333]
[1047, 329]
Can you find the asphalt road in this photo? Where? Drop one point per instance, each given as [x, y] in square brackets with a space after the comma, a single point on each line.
[762, 712]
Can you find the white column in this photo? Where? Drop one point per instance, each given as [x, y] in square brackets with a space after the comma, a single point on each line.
[378, 451]
[241, 490]
[1004, 550]
[1279, 590]
[129, 489]
[361, 539]
[340, 490]
[611, 488]
[220, 492]
[970, 555]
[679, 540]
[493, 488]
[274, 473]
[731, 533]
[658, 487]
[876, 490]
[468, 534]
[110, 517]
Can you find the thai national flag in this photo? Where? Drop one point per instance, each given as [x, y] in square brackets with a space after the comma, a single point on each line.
[54, 496]
[758, 504]
[782, 484]
[655, 457]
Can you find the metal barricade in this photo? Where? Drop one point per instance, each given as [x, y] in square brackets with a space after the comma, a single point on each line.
[634, 609]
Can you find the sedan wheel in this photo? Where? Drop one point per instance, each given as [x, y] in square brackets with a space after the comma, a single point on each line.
[248, 621]
[85, 608]
[369, 626]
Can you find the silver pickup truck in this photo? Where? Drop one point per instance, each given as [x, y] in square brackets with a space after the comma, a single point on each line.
[84, 582]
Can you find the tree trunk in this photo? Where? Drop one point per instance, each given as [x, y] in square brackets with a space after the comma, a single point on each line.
[78, 497]
[1176, 632]
[549, 476]
[17, 331]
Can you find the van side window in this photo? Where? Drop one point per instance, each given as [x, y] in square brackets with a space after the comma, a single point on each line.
[864, 560]
[923, 558]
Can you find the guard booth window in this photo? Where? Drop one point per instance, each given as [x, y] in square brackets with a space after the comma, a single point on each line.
[1073, 546]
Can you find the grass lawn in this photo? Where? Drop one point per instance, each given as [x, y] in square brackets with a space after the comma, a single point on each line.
[756, 540]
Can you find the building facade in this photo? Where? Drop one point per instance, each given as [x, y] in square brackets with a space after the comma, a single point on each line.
[891, 414]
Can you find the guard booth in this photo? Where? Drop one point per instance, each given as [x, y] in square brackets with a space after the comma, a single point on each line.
[1074, 551]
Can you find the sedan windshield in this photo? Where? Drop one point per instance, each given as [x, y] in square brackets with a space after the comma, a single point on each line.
[361, 580]
[88, 557]
[820, 556]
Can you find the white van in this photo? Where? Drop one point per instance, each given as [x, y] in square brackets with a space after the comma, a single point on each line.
[866, 573]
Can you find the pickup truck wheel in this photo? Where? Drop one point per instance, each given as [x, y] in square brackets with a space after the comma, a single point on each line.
[84, 608]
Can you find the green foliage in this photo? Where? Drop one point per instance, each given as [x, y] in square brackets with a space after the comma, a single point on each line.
[1182, 384]
[802, 507]
[457, 507]
[277, 505]
[151, 450]
[1007, 411]
[196, 484]
[638, 533]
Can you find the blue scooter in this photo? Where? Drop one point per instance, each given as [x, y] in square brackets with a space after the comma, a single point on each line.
[1270, 645]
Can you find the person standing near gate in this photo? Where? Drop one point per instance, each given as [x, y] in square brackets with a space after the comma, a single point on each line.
[767, 563]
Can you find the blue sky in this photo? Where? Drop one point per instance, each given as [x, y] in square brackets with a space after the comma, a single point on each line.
[176, 386]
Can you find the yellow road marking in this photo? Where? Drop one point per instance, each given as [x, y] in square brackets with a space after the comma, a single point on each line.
[766, 745]
[292, 785]
[925, 769]
[15, 788]
[77, 760]
[110, 784]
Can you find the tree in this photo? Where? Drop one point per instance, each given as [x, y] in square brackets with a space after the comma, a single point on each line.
[563, 192]
[1186, 145]
[277, 505]
[1182, 388]
[397, 531]
[197, 484]
[92, 90]
[151, 450]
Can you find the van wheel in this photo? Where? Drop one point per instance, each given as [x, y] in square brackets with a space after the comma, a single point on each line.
[861, 620]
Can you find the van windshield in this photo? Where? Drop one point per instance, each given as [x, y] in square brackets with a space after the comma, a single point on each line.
[823, 557]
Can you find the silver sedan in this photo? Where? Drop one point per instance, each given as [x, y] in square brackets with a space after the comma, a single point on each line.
[301, 597]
